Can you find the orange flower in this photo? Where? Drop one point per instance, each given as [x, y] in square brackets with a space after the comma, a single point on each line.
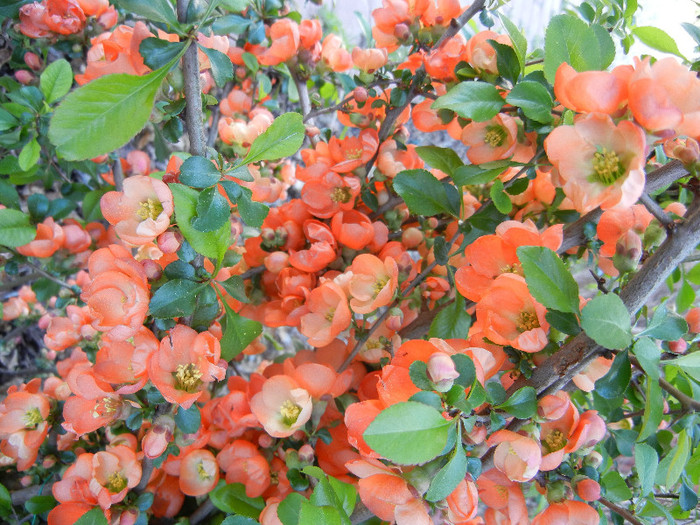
[334, 54]
[369, 60]
[141, 212]
[596, 369]
[462, 503]
[665, 96]
[282, 407]
[326, 314]
[480, 53]
[392, 21]
[243, 463]
[184, 363]
[508, 315]
[310, 33]
[125, 362]
[372, 282]
[68, 513]
[352, 152]
[391, 160]
[599, 163]
[118, 294]
[494, 139]
[592, 91]
[440, 63]
[49, 239]
[503, 496]
[353, 229]
[284, 34]
[199, 473]
[569, 512]
[320, 253]
[517, 456]
[23, 425]
[63, 17]
[64, 332]
[617, 221]
[327, 195]
[100, 479]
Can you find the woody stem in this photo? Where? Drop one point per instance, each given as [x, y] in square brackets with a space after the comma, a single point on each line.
[193, 92]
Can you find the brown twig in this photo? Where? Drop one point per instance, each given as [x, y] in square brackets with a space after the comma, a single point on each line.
[656, 210]
[202, 512]
[688, 403]
[456, 24]
[629, 516]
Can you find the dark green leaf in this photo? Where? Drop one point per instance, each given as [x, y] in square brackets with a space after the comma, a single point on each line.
[418, 372]
[221, 66]
[7, 121]
[648, 355]
[444, 159]
[230, 24]
[408, 433]
[452, 322]
[507, 62]
[449, 476]
[427, 398]
[647, 461]
[471, 175]
[548, 279]
[232, 499]
[235, 287]
[500, 198]
[679, 457]
[176, 298]
[478, 101]
[56, 80]
[158, 53]
[154, 10]
[210, 244]
[252, 212]
[423, 193]
[239, 332]
[241, 173]
[534, 99]
[522, 404]
[653, 410]
[93, 517]
[40, 504]
[199, 172]
[688, 497]
[605, 319]
[465, 366]
[616, 381]
[566, 323]
[289, 509]
[238, 520]
[188, 421]
[15, 228]
[282, 139]
[665, 325]
[213, 211]
[516, 37]
[615, 487]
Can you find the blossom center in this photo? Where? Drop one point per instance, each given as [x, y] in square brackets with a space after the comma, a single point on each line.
[32, 418]
[527, 321]
[105, 406]
[203, 472]
[150, 209]
[187, 377]
[116, 482]
[495, 136]
[379, 285]
[330, 315]
[353, 154]
[607, 167]
[555, 440]
[290, 412]
[341, 194]
[512, 268]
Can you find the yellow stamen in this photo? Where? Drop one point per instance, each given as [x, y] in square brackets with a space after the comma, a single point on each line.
[150, 209]
[341, 194]
[495, 136]
[607, 167]
[527, 321]
[379, 285]
[105, 406]
[554, 441]
[32, 418]
[353, 154]
[202, 471]
[512, 268]
[330, 314]
[116, 482]
[187, 378]
[290, 412]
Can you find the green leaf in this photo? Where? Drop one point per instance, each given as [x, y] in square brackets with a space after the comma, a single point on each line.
[452, 322]
[534, 99]
[566, 323]
[199, 172]
[444, 159]
[680, 455]
[423, 193]
[548, 279]
[605, 319]
[449, 476]
[40, 504]
[213, 211]
[418, 372]
[507, 61]
[282, 139]
[56, 80]
[478, 101]
[176, 298]
[15, 228]
[522, 404]
[465, 366]
[408, 433]
[569, 39]
[188, 421]
[105, 114]
[649, 356]
[647, 461]
[653, 410]
[210, 244]
[157, 53]
[615, 487]
[221, 66]
[154, 10]
[252, 212]
[7, 121]
[345, 493]
[235, 287]
[289, 509]
[686, 297]
[665, 325]
[688, 497]
[93, 517]
[471, 175]
[616, 381]
[657, 39]
[500, 198]
[235, 6]
[516, 37]
[241, 173]
[232, 499]
[29, 155]
[689, 363]
[238, 333]
[238, 520]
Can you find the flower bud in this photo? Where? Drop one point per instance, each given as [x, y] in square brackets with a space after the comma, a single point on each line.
[306, 454]
[558, 491]
[169, 242]
[24, 77]
[32, 60]
[442, 371]
[593, 459]
[402, 32]
[678, 347]
[360, 94]
[628, 252]
[395, 320]
[411, 237]
[586, 488]
[152, 268]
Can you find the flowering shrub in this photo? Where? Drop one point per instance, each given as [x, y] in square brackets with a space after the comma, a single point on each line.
[243, 284]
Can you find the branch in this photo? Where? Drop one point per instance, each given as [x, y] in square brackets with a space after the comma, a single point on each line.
[21, 280]
[118, 175]
[629, 516]
[456, 24]
[202, 512]
[304, 100]
[656, 210]
[688, 402]
[193, 92]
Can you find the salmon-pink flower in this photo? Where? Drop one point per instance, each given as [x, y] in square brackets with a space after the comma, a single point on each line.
[353, 229]
[243, 463]
[199, 473]
[369, 60]
[284, 34]
[334, 54]
[495, 139]
[282, 407]
[462, 503]
[23, 426]
[141, 212]
[599, 163]
[326, 314]
[592, 91]
[481, 55]
[49, 239]
[372, 282]
[568, 512]
[517, 456]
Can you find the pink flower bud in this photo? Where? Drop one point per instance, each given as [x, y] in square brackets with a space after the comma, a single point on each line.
[411, 237]
[588, 489]
[395, 320]
[24, 77]
[628, 252]
[442, 371]
[265, 441]
[678, 347]
[32, 60]
[169, 242]
[360, 94]
[306, 454]
[402, 32]
[276, 261]
[153, 269]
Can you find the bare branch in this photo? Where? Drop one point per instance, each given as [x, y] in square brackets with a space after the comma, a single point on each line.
[193, 91]
[629, 516]
[456, 24]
